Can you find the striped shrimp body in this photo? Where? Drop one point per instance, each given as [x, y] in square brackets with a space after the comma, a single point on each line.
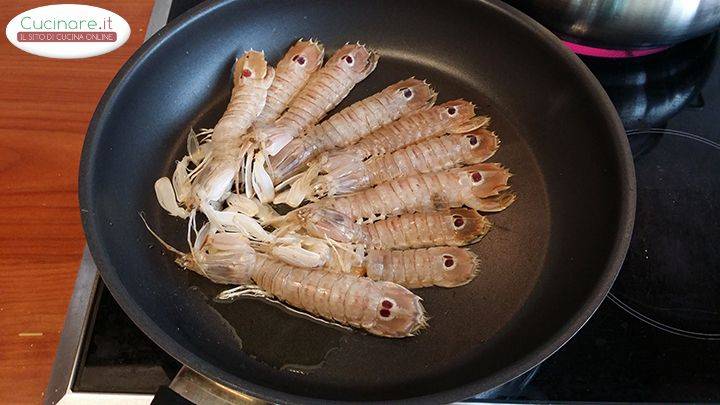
[478, 187]
[349, 125]
[291, 74]
[443, 266]
[455, 116]
[325, 89]
[453, 227]
[379, 307]
[217, 167]
[252, 79]
[428, 156]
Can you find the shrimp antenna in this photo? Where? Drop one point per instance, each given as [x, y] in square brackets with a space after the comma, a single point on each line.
[162, 242]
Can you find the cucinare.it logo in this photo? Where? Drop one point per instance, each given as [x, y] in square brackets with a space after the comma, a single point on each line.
[68, 31]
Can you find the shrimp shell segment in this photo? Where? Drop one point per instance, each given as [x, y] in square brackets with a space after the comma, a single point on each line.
[291, 74]
[415, 268]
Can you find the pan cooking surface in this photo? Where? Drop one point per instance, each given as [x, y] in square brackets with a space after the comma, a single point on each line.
[545, 266]
[462, 319]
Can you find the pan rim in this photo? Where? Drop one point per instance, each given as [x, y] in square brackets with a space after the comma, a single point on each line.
[625, 222]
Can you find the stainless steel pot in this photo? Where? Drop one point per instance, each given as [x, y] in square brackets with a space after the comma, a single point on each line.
[622, 24]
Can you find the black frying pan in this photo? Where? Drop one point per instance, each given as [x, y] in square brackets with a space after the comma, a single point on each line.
[546, 265]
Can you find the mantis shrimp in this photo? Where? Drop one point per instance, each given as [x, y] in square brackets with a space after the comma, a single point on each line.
[479, 187]
[214, 174]
[452, 227]
[381, 308]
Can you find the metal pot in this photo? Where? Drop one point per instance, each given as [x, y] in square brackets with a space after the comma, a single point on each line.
[623, 24]
[648, 91]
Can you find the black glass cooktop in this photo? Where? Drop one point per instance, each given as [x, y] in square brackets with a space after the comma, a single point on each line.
[657, 336]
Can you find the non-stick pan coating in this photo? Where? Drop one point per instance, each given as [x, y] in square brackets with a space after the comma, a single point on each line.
[545, 266]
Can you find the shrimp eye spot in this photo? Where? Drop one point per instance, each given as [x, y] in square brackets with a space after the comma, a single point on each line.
[386, 304]
[299, 59]
[407, 93]
[451, 111]
[472, 139]
[476, 177]
[246, 73]
[385, 313]
[458, 221]
[349, 59]
[448, 261]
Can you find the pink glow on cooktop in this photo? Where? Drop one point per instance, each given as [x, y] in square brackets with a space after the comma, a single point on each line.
[611, 53]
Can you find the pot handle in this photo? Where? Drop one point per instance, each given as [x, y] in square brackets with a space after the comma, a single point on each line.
[190, 387]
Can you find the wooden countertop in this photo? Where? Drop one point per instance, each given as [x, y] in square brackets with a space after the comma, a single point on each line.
[45, 107]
